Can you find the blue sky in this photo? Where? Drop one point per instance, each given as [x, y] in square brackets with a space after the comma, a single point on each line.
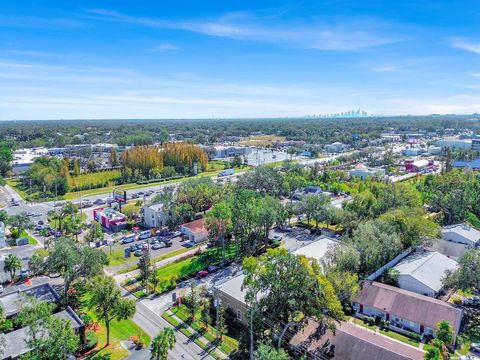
[196, 59]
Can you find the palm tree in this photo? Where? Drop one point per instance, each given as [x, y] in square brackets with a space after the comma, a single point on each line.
[11, 265]
[164, 341]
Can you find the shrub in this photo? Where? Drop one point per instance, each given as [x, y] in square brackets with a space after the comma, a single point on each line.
[6, 326]
[415, 336]
[91, 340]
[87, 320]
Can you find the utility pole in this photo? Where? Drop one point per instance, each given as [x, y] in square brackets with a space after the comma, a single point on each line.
[217, 303]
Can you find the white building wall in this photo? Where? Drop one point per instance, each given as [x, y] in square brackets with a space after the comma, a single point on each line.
[407, 282]
[455, 237]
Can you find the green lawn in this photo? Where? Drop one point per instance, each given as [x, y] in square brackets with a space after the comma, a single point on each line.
[119, 331]
[229, 344]
[31, 239]
[119, 259]
[387, 332]
[188, 267]
[94, 178]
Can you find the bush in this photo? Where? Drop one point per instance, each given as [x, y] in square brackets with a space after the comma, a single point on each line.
[87, 320]
[6, 326]
[415, 336]
[91, 340]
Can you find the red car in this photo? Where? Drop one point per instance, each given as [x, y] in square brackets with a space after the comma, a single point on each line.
[202, 273]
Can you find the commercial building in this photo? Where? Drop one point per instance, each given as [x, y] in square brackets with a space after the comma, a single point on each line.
[349, 342]
[422, 272]
[413, 151]
[463, 164]
[361, 171]
[110, 219]
[461, 234]
[24, 158]
[419, 165]
[455, 143]
[195, 231]
[223, 152]
[335, 148]
[310, 190]
[154, 215]
[406, 311]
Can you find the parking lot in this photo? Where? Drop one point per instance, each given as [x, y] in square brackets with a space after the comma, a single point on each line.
[294, 239]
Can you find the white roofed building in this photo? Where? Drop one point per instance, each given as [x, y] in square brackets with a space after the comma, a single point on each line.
[461, 234]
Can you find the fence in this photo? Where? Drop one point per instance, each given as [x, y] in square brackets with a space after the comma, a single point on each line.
[390, 264]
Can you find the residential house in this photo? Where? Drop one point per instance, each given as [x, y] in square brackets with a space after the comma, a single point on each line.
[16, 341]
[461, 234]
[405, 311]
[195, 231]
[349, 342]
[422, 272]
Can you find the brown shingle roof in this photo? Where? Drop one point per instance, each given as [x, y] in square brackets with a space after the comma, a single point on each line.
[408, 305]
[352, 342]
[196, 226]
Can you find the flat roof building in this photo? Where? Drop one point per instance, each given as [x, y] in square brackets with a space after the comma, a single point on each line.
[462, 234]
[422, 272]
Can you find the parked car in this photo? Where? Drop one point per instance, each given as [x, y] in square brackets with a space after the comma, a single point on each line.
[175, 233]
[40, 222]
[167, 243]
[212, 268]
[277, 238]
[286, 228]
[144, 235]
[158, 245]
[189, 244]
[138, 253]
[472, 301]
[24, 273]
[202, 273]
[133, 247]
[475, 347]
[128, 239]
[30, 213]
[1, 289]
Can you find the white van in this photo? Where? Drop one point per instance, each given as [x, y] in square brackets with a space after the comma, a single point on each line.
[144, 235]
[129, 239]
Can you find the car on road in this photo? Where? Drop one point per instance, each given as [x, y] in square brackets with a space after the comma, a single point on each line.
[15, 204]
[37, 214]
[30, 213]
[99, 202]
[202, 273]
[189, 244]
[129, 239]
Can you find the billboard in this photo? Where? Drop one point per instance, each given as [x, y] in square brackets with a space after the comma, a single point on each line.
[120, 196]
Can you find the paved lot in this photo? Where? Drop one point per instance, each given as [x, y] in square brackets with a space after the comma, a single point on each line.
[24, 252]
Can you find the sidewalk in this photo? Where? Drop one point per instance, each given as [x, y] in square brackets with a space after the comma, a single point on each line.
[197, 336]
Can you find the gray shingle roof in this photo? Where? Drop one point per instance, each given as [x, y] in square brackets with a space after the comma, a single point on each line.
[427, 267]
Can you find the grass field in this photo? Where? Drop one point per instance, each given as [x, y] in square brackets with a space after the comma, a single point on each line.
[188, 267]
[262, 140]
[94, 178]
[119, 259]
[119, 331]
[229, 343]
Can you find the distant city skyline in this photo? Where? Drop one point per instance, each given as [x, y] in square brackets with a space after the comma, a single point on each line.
[237, 59]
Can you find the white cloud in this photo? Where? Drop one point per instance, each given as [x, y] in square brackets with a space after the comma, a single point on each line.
[351, 34]
[465, 44]
[164, 47]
